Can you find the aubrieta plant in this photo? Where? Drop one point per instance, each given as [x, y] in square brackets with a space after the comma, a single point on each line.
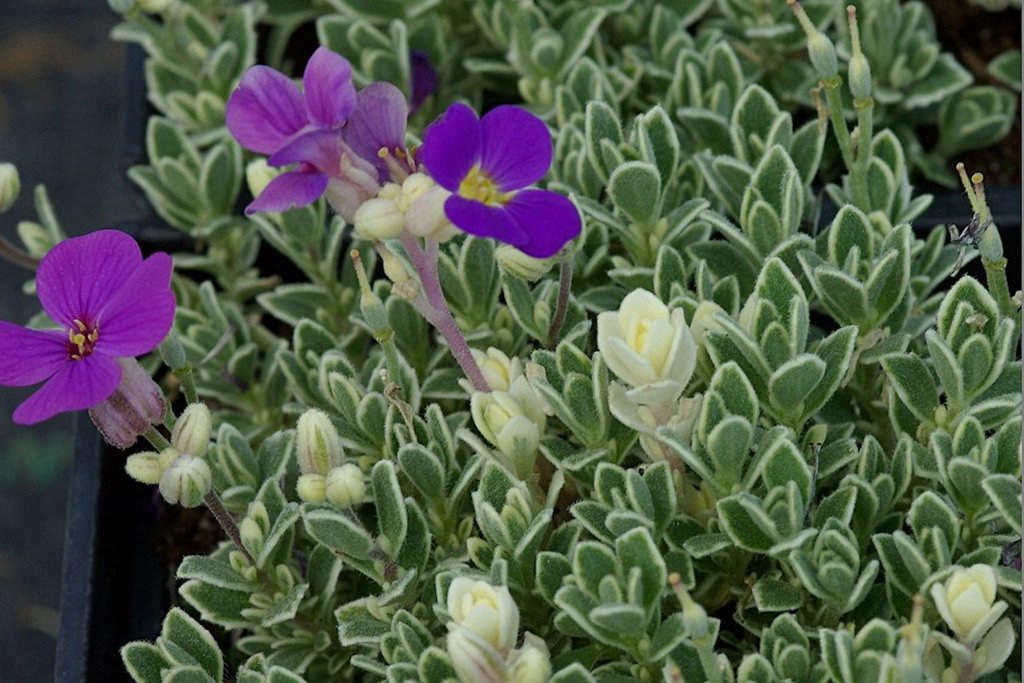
[529, 359]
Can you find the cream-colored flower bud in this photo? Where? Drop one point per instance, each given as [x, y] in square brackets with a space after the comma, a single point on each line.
[485, 610]
[144, 468]
[10, 186]
[967, 602]
[823, 55]
[258, 175]
[474, 660]
[317, 444]
[346, 486]
[393, 266]
[859, 74]
[512, 421]
[426, 217]
[186, 482]
[379, 219]
[704, 321]
[251, 534]
[191, 432]
[356, 184]
[648, 347]
[532, 662]
[414, 187]
[497, 368]
[522, 265]
[312, 488]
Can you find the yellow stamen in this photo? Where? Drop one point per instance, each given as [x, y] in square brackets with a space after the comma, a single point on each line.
[478, 186]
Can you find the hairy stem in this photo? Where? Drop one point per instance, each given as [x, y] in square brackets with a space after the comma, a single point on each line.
[858, 179]
[186, 375]
[156, 439]
[436, 310]
[227, 523]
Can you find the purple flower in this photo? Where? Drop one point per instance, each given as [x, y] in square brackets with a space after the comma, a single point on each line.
[376, 129]
[486, 163]
[424, 79]
[110, 304]
[269, 114]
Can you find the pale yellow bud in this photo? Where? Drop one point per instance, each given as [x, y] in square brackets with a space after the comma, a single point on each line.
[379, 219]
[317, 444]
[346, 486]
[10, 186]
[144, 468]
[258, 175]
[186, 482]
[191, 432]
[967, 602]
[522, 265]
[312, 488]
[485, 610]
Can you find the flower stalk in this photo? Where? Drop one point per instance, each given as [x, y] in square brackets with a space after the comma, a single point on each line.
[432, 305]
[562, 305]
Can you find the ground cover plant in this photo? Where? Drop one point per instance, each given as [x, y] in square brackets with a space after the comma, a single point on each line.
[511, 344]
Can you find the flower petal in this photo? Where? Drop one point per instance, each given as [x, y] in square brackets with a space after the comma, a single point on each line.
[330, 95]
[451, 146]
[320, 148]
[517, 147]
[482, 220]
[289, 191]
[30, 356]
[548, 218]
[77, 385]
[424, 79]
[141, 313]
[265, 110]
[378, 121]
[76, 277]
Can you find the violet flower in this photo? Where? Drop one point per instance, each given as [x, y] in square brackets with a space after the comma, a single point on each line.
[110, 303]
[424, 79]
[486, 163]
[269, 114]
[376, 131]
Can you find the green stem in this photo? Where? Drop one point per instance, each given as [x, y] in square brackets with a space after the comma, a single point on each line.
[156, 439]
[835, 110]
[995, 275]
[227, 523]
[188, 383]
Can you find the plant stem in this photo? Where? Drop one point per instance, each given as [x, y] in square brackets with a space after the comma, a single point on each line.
[562, 306]
[156, 439]
[188, 383]
[227, 523]
[10, 252]
[436, 310]
[858, 180]
[995, 276]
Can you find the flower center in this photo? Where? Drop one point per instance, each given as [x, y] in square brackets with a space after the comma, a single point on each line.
[81, 340]
[478, 186]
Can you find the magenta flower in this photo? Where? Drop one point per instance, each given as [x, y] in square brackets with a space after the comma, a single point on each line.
[269, 114]
[486, 163]
[376, 129]
[110, 303]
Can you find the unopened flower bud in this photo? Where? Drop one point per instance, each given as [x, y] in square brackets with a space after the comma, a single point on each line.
[251, 534]
[136, 404]
[967, 602]
[172, 352]
[648, 346]
[317, 444]
[531, 663]
[346, 486]
[258, 175]
[497, 368]
[191, 432]
[144, 468]
[512, 421]
[474, 660]
[356, 184]
[379, 219]
[393, 266]
[312, 488]
[522, 265]
[186, 482]
[10, 186]
[488, 611]
[426, 217]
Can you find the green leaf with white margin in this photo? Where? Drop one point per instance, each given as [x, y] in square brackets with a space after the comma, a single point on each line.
[945, 78]
[186, 674]
[1007, 69]
[188, 634]
[930, 511]
[635, 189]
[773, 595]
[836, 350]
[423, 469]
[660, 142]
[144, 662]
[783, 463]
[746, 523]
[336, 531]
[946, 367]
[913, 383]
[1004, 492]
[636, 549]
[793, 382]
[390, 504]
[574, 673]
[286, 607]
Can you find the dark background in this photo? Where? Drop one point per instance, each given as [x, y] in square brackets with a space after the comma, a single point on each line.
[60, 93]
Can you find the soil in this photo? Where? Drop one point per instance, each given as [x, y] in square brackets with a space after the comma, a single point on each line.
[976, 36]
